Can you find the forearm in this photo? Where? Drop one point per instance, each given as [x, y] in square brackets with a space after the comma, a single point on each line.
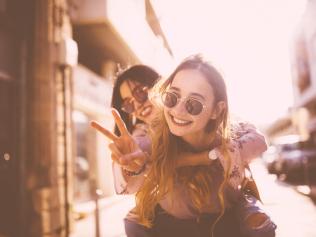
[194, 159]
[252, 145]
[125, 184]
[134, 183]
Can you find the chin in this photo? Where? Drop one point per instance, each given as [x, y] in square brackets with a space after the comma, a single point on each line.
[176, 132]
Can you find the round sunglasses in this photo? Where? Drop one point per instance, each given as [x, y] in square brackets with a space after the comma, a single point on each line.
[192, 106]
[140, 94]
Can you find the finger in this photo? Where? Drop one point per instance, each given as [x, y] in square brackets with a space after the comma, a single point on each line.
[129, 167]
[115, 151]
[115, 159]
[103, 130]
[119, 122]
[139, 157]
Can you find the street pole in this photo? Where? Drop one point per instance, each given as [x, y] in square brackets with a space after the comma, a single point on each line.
[98, 194]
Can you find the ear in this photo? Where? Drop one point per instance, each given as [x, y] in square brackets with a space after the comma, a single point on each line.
[218, 110]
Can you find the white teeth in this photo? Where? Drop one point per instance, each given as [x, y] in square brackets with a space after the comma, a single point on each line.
[146, 111]
[179, 121]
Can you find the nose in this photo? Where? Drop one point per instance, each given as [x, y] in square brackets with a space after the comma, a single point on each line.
[180, 109]
[138, 105]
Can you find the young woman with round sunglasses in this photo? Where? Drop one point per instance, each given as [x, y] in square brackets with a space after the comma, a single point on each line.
[194, 121]
[130, 96]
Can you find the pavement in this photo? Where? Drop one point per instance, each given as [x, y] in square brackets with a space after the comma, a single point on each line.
[112, 211]
[293, 212]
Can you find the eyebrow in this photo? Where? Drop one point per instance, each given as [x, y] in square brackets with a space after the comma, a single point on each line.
[174, 88]
[193, 93]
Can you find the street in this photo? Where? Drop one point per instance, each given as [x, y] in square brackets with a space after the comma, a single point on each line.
[294, 213]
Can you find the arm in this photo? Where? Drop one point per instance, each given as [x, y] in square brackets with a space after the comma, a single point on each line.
[250, 142]
[194, 159]
[247, 140]
[246, 143]
[125, 184]
[127, 154]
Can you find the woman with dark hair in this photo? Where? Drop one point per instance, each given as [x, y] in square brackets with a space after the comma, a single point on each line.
[130, 99]
[130, 95]
[195, 199]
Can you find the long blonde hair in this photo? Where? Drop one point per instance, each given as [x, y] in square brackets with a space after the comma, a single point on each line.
[165, 149]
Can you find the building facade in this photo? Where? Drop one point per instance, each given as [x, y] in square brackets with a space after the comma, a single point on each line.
[304, 73]
[301, 118]
[58, 60]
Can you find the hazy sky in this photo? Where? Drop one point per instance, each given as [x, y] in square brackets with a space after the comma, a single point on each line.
[247, 39]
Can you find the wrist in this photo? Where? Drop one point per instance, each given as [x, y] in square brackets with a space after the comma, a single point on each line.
[135, 173]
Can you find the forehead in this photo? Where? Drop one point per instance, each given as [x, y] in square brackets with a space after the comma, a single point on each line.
[126, 88]
[190, 81]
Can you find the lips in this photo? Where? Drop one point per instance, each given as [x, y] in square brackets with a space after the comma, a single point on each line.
[179, 122]
[146, 111]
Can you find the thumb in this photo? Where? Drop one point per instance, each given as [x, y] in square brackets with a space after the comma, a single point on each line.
[139, 157]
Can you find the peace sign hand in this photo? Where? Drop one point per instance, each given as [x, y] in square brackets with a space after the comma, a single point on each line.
[125, 150]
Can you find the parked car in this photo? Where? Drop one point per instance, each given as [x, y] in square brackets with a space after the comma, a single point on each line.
[279, 146]
[270, 158]
[292, 162]
[298, 166]
[284, 152]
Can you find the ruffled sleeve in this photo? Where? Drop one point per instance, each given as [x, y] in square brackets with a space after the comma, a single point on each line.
[246, 143]
[250, 142]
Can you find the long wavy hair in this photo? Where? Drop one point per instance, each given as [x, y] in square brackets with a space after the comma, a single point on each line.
[142, 74]
[198, 181]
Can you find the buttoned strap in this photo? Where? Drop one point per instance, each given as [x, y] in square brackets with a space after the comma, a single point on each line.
[249, 185]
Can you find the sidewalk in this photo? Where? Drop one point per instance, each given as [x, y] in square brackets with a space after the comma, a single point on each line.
[89, 206]
[112, 211]
[294, 213]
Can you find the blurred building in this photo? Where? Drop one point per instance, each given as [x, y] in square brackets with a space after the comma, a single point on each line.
[304, 71]
[111, 35]
[301, 119]
[58, 60]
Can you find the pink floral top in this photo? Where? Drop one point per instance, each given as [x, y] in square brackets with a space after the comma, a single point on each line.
[246, 144]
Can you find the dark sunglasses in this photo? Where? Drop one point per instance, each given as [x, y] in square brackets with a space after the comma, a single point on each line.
[193, 106]
[140, 94]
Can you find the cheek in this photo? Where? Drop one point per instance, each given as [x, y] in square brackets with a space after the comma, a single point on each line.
[167, 117]
[165, 113]
[201, 120]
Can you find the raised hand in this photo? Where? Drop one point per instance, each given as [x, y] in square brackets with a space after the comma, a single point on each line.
[125, 150]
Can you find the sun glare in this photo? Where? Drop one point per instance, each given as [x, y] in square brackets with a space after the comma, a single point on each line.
[248, 40]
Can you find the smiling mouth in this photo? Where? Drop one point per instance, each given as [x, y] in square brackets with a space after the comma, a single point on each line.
[146, 111]
[179, 122]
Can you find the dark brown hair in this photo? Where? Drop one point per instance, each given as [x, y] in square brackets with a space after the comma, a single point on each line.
[142, 74]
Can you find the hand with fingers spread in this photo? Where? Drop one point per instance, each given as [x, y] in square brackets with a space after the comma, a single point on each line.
[125, 150]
